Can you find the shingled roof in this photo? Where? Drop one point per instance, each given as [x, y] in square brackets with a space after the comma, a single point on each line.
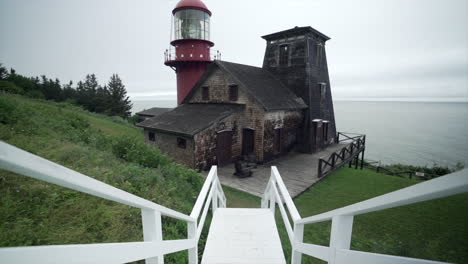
[269, 91]
[189, 119]
[154, 111]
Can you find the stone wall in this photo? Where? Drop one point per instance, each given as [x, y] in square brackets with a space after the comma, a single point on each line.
[167, 143]
[206, 140]
[218, 84]
[289, 122]
[251, 117]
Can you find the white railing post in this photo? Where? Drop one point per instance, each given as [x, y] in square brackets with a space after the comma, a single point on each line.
[298, 238]
[272, 200]
[152, 231]
[214, 198]
[192, 234]
[340, 237]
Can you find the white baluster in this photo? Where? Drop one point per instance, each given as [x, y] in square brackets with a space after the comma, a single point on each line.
[192, 234]
[152, 231]
[340, 238]
[298, 238]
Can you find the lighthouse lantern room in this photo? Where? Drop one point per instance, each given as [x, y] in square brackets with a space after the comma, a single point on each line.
[191, 40]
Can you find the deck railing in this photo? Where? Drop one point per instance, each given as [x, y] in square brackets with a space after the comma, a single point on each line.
[338, 252]
[153, 248]
[356, 144]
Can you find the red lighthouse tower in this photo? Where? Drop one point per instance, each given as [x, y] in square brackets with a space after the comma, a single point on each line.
[191, 39]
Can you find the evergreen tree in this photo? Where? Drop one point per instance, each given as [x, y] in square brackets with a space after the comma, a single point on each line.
[3, 72]
[86, 92]
[119, 101]
[68, 92]
[102, 100]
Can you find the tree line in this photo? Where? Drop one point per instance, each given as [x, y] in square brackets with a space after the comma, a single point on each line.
[110, 99]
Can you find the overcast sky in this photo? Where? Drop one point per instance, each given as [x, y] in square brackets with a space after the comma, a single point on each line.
[404, 48]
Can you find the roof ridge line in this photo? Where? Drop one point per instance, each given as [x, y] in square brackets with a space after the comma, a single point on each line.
[243, 84]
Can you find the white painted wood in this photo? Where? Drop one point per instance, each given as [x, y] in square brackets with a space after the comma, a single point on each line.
[152, 231]
[357, 257]
[271, 195]
[192, 252]
[240, 236]
[296, 257]
[320, 252]
[91, 253]
[284, 192]
[287, 224]
[221, 192]
[447, 185]
[340, 237]
[214, 198]
[203, 192]
[204, 213]
[24, 163]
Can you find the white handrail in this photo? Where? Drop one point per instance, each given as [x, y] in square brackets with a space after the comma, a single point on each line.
[24, 163]
[276, 192]
[211, 193]
[439, 187]
[338, 252]
[153, 249]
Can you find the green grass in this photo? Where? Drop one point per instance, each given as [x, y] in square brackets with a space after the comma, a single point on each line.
[106, 148]
[111, 150]
[435, 230]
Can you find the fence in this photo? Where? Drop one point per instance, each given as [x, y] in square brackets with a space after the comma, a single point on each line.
[375, 165]
[153, 248]
[355, 144]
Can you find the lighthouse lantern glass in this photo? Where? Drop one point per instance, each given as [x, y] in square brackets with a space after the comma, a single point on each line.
[191, 24]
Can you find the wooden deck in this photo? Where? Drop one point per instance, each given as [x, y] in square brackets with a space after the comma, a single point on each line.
[299, 172]
[243, 236]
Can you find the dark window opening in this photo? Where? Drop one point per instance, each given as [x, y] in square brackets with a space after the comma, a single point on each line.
[151, 136]
[319, 54]
[283, 55]
[277, 139]
[181, 143]
[322, 90]
[206, 93]
[325, 130]
[233, 93]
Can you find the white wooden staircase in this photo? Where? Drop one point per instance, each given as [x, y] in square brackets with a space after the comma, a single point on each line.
[240, 236]
[236, 235]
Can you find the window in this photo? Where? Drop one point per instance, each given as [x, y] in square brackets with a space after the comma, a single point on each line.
[191, 24]
[283, 55]
[151, 136]
[233, 92]
[205, 93]
[322, 90]
[181, 143]
[319, 54]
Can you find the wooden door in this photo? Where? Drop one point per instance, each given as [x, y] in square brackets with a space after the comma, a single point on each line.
[224, 147]
[277, 140]
[248, 141]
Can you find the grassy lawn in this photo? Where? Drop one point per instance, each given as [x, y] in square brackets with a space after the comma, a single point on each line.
[435, 230]
[109, 149]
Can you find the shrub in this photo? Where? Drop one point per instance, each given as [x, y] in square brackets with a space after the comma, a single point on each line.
[10, 87]
[8, 111]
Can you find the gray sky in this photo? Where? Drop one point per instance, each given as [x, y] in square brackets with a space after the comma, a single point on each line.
[402, 48]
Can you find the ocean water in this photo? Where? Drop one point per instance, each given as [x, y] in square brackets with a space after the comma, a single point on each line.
[408, 132]
[416, 133]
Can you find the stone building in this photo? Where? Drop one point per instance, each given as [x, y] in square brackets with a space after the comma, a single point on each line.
[236, 110]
